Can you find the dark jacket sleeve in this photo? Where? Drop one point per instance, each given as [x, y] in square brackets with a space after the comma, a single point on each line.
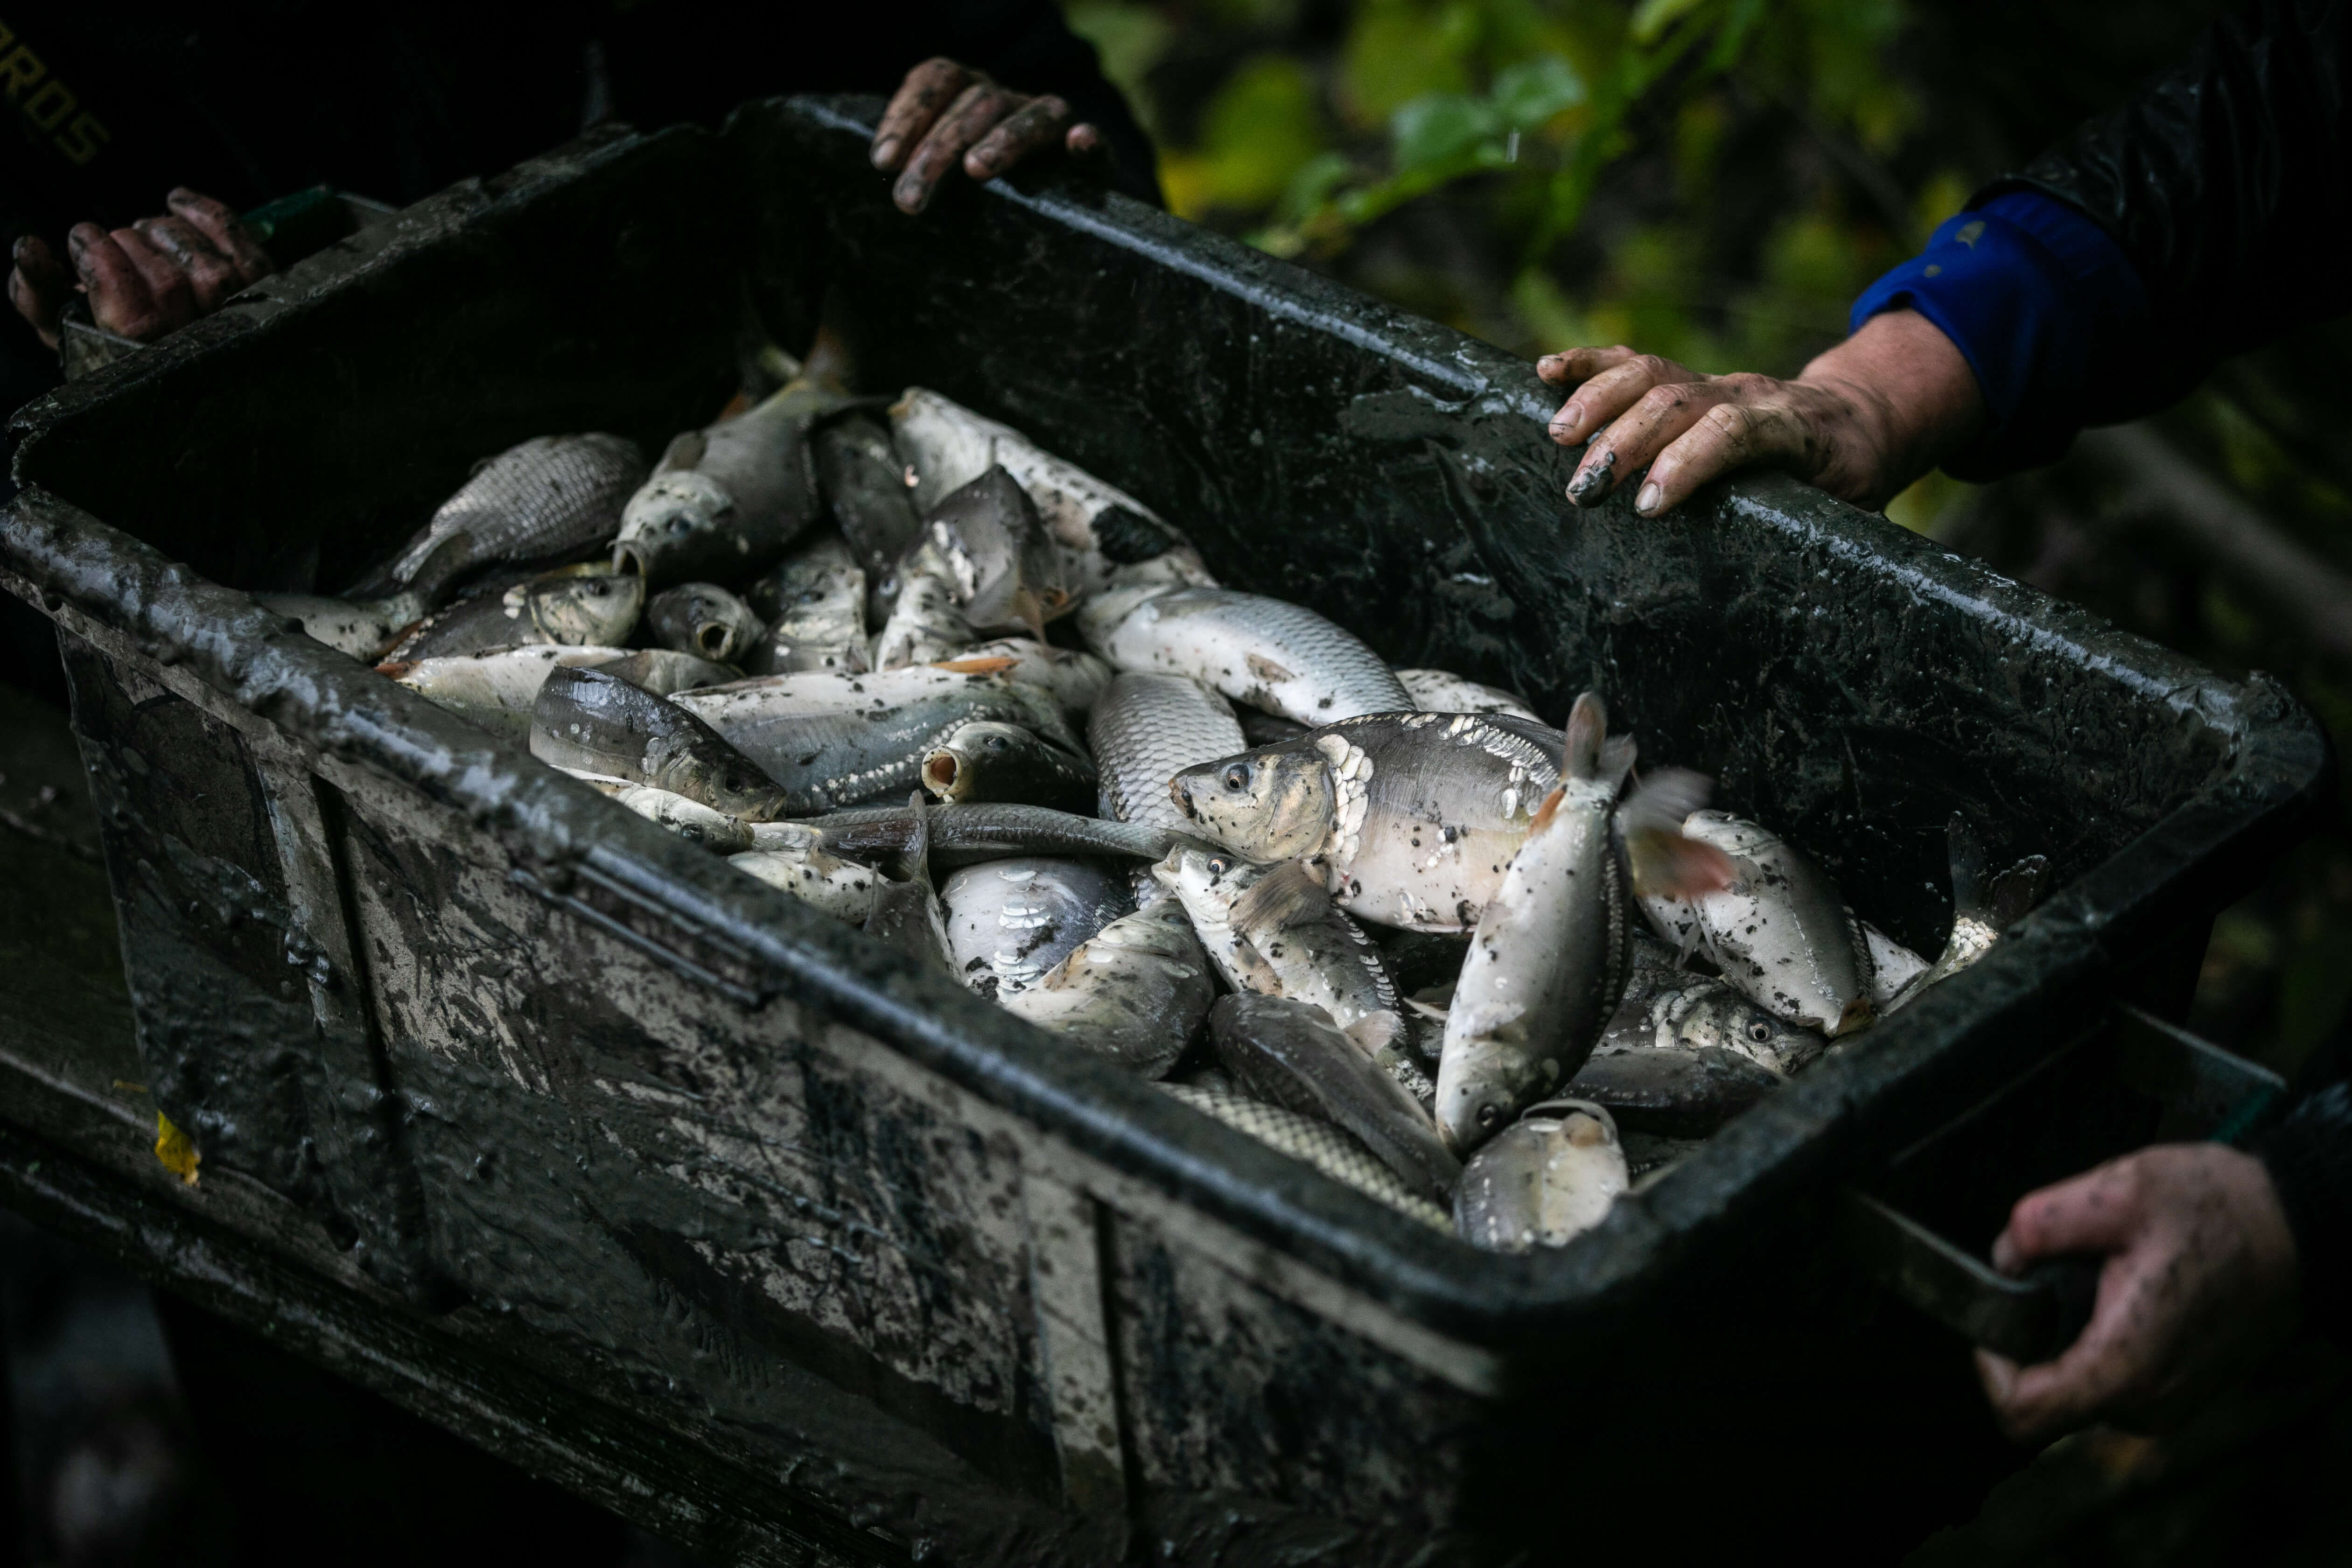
[1025, 43]
[2309, 1157]
[2107, 278]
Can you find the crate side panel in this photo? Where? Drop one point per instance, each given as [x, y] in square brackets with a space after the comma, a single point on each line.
[690, 1167]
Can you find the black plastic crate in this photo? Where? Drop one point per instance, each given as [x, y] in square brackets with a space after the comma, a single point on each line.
[608, 1105]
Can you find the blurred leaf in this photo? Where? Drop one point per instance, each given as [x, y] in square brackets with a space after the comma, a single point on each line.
[1259, 131]
[1397, 51]
[1131, 38]
[1441, 128]
[1527, 94]
[1652, 17]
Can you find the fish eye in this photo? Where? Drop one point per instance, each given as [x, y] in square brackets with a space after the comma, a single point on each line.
[1489, 1114]
[1219, 865]
[598, 588]
[1758, 1030]
[1237, 776]
[997, 742]
[677, 525]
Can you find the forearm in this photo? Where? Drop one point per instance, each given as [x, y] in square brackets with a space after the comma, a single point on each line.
[1911, 393]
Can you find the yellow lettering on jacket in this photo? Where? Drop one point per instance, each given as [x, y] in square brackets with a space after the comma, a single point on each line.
[19, 70]
[48, 107]
[83, 138]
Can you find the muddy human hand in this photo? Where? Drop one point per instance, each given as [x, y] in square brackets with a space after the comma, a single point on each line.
[143, 281]
[1862, 421]
[944, 114]
[2200, 1277]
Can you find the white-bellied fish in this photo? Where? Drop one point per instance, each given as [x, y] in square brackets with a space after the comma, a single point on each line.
[998, 556]
[1075, 677]
[665, 672]
[689, 819]
[725, 500]
[495, 688]
[364, 629]
[816, 600]
[987, 760]
[1144, 731]
[803, 867]
[1268, 653]
[1010, 921]
[1441, 691]
[1543, 1181]
[1982, 907]
[1409, 817]
[926, 622]
[1548, 960]
[576, 607]
[1273, 929]
[1135, 991]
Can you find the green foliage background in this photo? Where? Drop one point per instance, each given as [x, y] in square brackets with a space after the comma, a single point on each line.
[1714, 180]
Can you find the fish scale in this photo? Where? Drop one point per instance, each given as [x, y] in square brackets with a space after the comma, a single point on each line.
[548, 497]
[1147, 729]
[1318, 1143]
[1268, 653]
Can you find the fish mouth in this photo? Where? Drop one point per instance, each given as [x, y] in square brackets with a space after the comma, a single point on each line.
[628, 560]
[940, 772]
[710, 636]
[1183, 799]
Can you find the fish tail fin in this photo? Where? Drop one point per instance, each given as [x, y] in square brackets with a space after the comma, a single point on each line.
[1588, 730]
[1967, 860]
[428, 574]
[1860, 1014]
[2016, 891]
[1617, 754]
[1661, 861]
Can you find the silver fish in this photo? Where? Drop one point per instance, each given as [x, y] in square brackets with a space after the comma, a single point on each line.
[1273, 931]
[725, 500]
[839, 739]
[665, 672]
[1147, 729]
[997, 555]
[1269, 653]
[1705, 1013]
[1780, 934]
[985, 760]
[1893, 965]
[1331, 1149]
[948, 445]
[1441, 691]
[706, 620]
[1107, 606]
[1543, 1181]
[497, 687]
[1075, 677]
[926, 622]
[1009, 922]
[819, 613]
[1292, 1054]
[1982, 909]
[689, 819]
[1548, 961]
[1135, 991]
[961, 834]
[1411, 818]
[600, 723]
[365, 629]
[819, 879]
[864, 482]
[576, 606]
[549, 498]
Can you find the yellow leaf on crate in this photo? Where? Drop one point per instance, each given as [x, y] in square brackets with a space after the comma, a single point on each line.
[176, 1150]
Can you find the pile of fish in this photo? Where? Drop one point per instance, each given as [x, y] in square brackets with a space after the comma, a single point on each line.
[910, 668]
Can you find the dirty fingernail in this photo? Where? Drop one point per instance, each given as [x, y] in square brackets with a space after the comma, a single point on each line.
[1647, 501]
[884, 151]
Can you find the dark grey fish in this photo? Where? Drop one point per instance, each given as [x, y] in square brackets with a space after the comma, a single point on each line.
[706, 620]
[549, 499]
[986, 760]
[1683, 1091]
[1982, 907]
[836, 741]
[815, 607]
[365, 629]
[864, 482]
[666, 672]
[577, 606]
[907, 914]
[1135, 991]
[725, 500]
[1010, 921]
[997, 555]
[1292, 1054]
[962, 835]
[1259, 729]
[1543, 1180]
[599, 723]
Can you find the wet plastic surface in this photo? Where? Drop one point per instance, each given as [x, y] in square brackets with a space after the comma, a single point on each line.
[526, 1057]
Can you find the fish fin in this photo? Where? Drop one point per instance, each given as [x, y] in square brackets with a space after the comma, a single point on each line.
[393, 668]
[1427, 1009]
[1030, 611]
[1859, 1015]
[1661, 861]
[1617, 753]
[990, 666]
[438, 564]
[1277, 897]
[1968, 861]
[1542, 818]
[1375, 1031]
[917, 864]
[1266, 669]
[2015, 891]
[685, 451]
[1689, 945]
[1588, 728]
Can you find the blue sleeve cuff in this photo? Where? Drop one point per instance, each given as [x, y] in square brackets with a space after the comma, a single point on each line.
[2046, 309]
